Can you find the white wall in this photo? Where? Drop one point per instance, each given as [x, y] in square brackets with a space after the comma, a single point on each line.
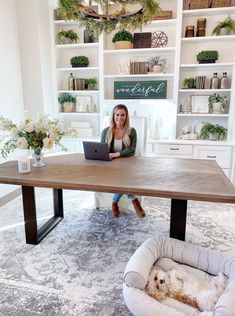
[35, 54]
[11, 105]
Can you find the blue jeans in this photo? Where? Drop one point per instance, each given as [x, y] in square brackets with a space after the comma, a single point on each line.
[117, 197]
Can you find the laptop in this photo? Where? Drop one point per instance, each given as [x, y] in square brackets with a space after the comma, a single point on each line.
[96, 151]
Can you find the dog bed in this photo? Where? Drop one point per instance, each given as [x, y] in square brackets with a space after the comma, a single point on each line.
[198, 259]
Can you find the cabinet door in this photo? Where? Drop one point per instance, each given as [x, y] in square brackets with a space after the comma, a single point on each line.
[174, 150]
[222, 154]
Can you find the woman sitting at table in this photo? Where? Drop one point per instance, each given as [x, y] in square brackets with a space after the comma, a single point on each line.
[121, 138]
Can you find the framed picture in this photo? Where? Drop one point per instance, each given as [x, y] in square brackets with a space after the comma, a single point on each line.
[83, 103]
[200, 103]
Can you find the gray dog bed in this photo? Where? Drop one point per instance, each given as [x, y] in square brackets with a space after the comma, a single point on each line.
[166, 252]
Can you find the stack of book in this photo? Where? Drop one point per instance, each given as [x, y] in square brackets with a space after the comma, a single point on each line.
[138, 67]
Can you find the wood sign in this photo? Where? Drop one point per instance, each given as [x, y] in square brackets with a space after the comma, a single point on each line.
[142, 40]
[154, 89]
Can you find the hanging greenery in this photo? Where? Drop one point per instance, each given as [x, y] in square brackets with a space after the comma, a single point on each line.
[111, 19]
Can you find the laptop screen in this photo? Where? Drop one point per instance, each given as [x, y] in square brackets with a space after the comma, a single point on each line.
[96, 150]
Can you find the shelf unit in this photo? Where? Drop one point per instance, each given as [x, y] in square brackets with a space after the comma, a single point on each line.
[63, 53]
[189, 67]
[165, 123]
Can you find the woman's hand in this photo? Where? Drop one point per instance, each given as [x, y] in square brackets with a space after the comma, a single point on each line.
[114, 155]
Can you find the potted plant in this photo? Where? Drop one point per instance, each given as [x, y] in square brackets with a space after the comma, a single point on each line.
[123, 40]
[225, 27]
[79, 61]
[67, 37]
[156, 63]
[207, 56]
[189, 83]
[217, 103]
[67, 102]
[91, 82]
[213, 132]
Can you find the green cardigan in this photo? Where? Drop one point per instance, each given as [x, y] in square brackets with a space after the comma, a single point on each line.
[126, 152]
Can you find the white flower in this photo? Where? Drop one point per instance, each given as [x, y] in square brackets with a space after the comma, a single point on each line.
[22, 143]
[38, 126]
[48, 142]
[14, 132]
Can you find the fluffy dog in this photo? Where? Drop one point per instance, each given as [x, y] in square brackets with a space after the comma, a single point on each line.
[183, 286]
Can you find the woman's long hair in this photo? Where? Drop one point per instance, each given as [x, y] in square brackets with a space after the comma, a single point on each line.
[126, 128]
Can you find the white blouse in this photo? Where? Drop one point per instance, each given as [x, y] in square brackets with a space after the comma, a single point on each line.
[117, 145]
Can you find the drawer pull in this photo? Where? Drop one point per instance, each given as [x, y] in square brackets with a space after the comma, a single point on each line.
[174, 148]
[209, 156]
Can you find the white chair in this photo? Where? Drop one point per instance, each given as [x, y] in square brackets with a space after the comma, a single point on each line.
[104, 200]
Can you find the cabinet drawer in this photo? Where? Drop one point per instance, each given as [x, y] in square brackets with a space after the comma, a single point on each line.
[221, 154]
[174, 149]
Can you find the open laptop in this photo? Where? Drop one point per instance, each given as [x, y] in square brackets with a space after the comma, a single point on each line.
[96, 150]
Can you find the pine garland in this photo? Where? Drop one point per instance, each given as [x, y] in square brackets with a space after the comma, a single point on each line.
[74, 10]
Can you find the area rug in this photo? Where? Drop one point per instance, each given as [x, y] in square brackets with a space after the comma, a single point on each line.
[78, 268]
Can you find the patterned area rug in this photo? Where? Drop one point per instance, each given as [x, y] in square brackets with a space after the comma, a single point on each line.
[78, 268]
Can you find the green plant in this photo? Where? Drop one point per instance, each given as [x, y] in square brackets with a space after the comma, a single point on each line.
[228, 24]
[66, 98]
[216, 130]
[157, 60]
[216, 97]
[70, 34]
[122, 36]
[189, 83]
[207, 55]
[81, 61]
[91, 81]
[75, 9]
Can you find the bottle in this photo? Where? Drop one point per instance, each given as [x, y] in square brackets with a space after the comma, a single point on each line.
[214, 81]
[71, 82]
[189, 32]
[224, 81]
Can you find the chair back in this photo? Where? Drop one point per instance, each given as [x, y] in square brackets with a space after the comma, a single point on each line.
[140, 125]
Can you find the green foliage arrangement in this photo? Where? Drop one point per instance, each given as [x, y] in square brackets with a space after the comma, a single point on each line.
[157, 60]
[91, 81]
[123, 36]
[70, 34]
[219, 132]
[66, 98]
[216, 97]
[79, 61]
[228, 24]
[207, 56]
[111, 20]
[189, 83]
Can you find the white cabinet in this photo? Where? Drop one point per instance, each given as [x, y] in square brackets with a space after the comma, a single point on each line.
[87, 105]
[190, 111]
[222, 154]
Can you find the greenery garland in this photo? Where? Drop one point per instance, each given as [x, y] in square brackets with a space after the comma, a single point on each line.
[76, 10]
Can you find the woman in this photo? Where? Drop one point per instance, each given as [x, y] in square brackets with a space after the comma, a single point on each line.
[121, 138]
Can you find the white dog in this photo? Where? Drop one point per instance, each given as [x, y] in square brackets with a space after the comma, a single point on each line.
[181, 285]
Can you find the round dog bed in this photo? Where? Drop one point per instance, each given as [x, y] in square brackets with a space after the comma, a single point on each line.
[199, 259]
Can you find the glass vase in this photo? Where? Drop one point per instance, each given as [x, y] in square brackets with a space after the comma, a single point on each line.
[37, 155]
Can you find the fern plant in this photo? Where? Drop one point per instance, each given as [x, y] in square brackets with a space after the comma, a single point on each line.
[228, 24]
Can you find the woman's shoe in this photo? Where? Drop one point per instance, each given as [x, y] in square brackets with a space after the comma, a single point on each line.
[138, 208]
[115, 210]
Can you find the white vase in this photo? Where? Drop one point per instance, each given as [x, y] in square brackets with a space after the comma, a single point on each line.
[157, 68]
[217, 107]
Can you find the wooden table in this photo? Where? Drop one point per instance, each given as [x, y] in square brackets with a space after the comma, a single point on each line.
[178, 179]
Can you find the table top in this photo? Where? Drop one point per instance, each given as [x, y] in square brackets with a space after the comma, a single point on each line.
[188, 179]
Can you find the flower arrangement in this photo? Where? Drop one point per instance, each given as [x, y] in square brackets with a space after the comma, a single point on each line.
[30, 134]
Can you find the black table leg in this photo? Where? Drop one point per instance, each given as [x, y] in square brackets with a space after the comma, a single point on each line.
[32, 233]
[178, 219]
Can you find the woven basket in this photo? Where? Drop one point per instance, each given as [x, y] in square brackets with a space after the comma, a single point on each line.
[198, 4]
[221, 3]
